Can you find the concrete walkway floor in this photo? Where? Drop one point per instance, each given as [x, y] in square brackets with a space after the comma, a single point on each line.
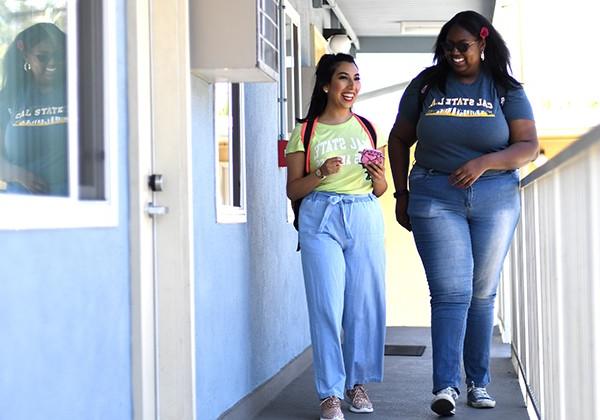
[406, 390]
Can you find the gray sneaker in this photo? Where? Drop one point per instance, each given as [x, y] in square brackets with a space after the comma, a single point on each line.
[479, 398]
[444, 402]
[331, 409]
[359, 400]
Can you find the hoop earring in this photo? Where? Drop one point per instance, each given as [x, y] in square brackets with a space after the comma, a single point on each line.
[482, 55]
[326, 90]
[26, 66]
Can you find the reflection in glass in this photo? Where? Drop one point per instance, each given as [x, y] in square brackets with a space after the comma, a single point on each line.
[92, 159]
[223, 131]
[33, 113]
[228, 137]
[292, 73]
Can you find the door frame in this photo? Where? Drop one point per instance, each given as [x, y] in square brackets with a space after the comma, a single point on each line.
[162, 254]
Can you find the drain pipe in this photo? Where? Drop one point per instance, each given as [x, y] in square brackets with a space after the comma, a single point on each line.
[282, 140]
[342, 19]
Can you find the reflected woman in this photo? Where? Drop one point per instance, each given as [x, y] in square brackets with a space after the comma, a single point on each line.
[33, 113]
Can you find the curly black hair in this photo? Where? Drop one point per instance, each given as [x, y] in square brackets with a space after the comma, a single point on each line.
[497, 56]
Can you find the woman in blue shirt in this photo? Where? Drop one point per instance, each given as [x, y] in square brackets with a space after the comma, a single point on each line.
[33, 113]
[473, 127]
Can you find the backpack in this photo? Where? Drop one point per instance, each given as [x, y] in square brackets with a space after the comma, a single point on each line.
[306, 133]
[425, 86]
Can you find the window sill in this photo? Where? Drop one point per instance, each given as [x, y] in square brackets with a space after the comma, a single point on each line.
[25, 212]
[231, 215]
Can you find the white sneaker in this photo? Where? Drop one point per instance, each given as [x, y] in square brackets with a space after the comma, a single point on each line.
[444, 402]
[478, 397]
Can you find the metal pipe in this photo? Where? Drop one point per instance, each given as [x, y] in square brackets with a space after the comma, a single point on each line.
[349, 31]
[282, 74]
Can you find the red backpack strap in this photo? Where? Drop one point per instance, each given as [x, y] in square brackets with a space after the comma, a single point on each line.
[307, 132]
[369, 129]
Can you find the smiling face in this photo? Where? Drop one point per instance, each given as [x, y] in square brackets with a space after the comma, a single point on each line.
[344, 86]
[463, 53]
[47, 63]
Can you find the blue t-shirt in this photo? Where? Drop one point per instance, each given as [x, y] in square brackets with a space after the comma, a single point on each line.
[462, 124]
[35, 138]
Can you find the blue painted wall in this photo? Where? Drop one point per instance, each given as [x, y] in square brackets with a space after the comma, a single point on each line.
[65, 312]
[251, 317]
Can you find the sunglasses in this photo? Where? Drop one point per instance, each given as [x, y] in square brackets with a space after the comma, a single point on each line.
[44, 58]
[462, 46]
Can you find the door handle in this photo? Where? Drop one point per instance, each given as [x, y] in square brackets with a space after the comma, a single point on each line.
[153, 210]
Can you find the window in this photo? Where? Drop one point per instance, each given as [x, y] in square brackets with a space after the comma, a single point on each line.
[290, 80]
[230, 153]
[55, 110]
[268, 29]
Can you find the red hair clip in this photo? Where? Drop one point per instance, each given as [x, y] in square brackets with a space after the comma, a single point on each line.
[484, 32]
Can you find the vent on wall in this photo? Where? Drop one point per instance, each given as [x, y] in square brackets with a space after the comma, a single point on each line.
[227, 45]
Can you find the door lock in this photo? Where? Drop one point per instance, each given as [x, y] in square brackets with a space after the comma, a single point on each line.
[155, 182]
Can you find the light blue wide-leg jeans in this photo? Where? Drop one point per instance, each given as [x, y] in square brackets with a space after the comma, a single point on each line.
[343, 259]
[463, 236]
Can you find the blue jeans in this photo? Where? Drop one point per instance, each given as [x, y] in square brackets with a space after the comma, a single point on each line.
[16, 188]
[463, 236]
[343, 260]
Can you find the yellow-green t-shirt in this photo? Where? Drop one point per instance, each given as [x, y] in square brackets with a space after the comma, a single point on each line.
[345, 140]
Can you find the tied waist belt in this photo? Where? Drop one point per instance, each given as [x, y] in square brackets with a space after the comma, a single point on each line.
[343, 202]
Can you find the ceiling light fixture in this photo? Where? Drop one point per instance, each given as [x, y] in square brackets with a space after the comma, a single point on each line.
[339, 43]
[420, 27]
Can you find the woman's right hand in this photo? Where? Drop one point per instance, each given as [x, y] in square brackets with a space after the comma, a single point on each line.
[331, 166]
[29, 181]
[402, 212]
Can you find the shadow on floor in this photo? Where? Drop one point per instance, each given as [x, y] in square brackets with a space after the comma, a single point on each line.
[406, 390]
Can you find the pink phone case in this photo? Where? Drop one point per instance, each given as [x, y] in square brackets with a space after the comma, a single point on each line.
[371, 156]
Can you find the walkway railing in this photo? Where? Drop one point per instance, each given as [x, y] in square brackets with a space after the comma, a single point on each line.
[549, 302]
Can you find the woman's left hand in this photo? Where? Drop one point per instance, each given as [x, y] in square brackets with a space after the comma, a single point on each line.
[466, 175]
[376, 172]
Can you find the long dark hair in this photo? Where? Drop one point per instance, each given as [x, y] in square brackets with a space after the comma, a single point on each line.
[497, 56]
[325, 69]
[15, 79]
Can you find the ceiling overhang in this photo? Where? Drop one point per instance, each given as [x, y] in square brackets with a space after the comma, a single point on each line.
[380, 26]
[396, 44]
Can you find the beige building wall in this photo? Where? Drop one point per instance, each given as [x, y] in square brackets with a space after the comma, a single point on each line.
[407, 292]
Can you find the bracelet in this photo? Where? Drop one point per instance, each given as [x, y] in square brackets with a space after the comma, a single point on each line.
[400, 193]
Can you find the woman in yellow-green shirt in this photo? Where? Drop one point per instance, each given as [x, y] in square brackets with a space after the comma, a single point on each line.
[341, 238]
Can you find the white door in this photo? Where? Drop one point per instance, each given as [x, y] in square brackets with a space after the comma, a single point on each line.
[161, 232]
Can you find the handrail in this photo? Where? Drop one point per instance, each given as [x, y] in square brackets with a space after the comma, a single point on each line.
[548, 300]
[586, 141]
